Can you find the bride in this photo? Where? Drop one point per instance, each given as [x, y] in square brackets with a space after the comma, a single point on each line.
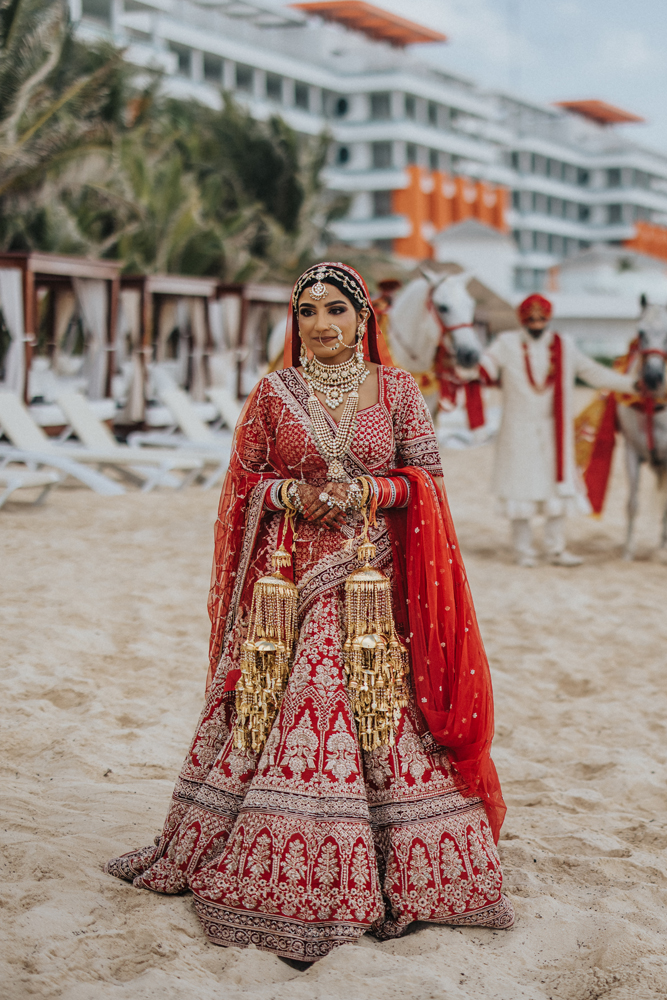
[340, 779]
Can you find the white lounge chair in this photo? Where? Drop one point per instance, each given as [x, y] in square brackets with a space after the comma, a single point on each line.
[31, 445]
[227, 406]
[214, 448]
[18, 477]
[153, 465]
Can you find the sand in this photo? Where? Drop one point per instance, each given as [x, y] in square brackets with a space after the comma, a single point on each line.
[104, 636]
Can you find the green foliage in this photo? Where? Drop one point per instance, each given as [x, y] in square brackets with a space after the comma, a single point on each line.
[90, 164]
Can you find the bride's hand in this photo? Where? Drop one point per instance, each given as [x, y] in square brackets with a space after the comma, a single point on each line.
[317, 510]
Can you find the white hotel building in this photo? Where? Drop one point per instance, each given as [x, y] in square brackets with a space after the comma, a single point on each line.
[573, 181]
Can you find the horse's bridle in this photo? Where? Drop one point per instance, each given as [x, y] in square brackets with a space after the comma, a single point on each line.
[443, 326]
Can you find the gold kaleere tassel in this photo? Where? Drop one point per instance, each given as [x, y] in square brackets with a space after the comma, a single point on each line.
[375, 660]
[266, 654]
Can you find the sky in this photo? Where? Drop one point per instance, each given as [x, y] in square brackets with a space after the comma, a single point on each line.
[551, 50]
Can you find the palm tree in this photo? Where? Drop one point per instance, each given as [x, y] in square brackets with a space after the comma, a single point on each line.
[58, 101]
[88, 164]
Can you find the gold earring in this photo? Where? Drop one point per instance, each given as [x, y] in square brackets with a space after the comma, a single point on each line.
[303, 355]
[361, 333]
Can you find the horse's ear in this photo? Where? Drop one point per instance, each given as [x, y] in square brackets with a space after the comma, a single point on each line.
[643, 301]
[432, 278]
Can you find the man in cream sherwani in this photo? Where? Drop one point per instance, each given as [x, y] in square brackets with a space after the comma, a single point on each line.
[534, 470]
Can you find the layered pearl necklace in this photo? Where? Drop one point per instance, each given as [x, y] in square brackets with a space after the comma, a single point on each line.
[333, 381]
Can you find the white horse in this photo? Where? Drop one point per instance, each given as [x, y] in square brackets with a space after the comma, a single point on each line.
[646, 433]
[431, 312]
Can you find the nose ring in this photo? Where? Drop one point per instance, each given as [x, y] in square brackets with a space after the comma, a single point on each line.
[336, 329]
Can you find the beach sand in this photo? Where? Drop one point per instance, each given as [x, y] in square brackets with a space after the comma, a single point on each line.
[104, 639]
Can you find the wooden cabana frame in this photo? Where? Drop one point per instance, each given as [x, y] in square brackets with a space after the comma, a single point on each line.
[251, 294]
[46, 270]
[175, 285]
[154, 290]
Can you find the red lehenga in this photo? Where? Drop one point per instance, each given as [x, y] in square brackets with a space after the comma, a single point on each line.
[314, 842]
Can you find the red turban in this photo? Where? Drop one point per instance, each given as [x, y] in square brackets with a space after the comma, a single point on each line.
[534, 306]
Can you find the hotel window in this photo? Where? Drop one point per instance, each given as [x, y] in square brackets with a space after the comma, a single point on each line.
[570, 174]
[380, 106]
[526, 201]
[302, 95]
[184, 57]
[382, 155]
[433, 159]
[541, 204]
[614, 177]
[410, 106]
[274, 87]
[555, 169]
[584, 213]
[432, 113]
[244, 77]
[539, 164]
[343, 154]
[381, 204]
[615, 214]
[212, 68]
[583, 177]
[341, 107]
[411, 153]
[541, 242]
[97, 10]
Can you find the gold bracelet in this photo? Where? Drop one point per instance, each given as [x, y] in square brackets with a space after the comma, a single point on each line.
[366, 491]
[284, 499]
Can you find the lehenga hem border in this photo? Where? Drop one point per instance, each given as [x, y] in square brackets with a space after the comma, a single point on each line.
[286, 938]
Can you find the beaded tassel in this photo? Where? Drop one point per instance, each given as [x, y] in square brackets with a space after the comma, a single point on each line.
[266, 655]
[375, 659]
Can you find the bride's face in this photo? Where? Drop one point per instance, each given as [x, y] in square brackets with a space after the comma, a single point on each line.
[328, 327]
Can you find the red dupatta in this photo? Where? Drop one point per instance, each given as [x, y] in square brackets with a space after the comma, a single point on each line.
[450, 670]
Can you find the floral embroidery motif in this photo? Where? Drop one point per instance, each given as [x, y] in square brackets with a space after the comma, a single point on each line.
[209, 742]
[450, 861]
[359, 868]
[327, 868]
[294, 862]
[300, 748]
[259, 861]
[419, 868]
[413, 758]
[341, 752]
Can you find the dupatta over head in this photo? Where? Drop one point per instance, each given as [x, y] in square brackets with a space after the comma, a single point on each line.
[451, 676]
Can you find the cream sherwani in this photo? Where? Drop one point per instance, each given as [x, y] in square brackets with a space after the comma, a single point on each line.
[524, 478]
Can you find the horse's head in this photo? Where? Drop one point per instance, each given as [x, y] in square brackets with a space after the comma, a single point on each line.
[455, 309]
[652, 336]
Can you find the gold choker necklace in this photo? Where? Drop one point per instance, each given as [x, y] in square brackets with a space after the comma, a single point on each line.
[333, 381]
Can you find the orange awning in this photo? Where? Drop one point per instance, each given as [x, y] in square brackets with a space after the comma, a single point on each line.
[600, 112]
[372, 21]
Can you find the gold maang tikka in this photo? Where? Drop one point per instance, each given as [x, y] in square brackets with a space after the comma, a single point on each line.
[318, 291]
